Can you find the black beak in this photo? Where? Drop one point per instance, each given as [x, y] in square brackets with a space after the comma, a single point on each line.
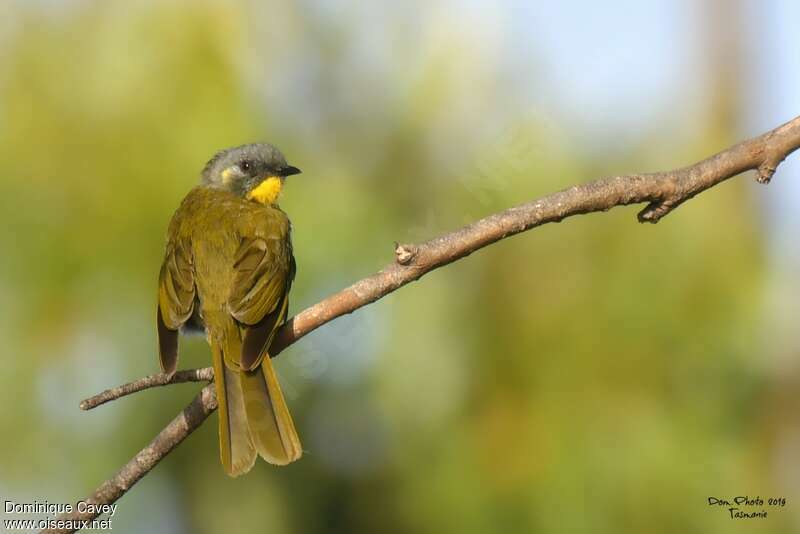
[289, 171]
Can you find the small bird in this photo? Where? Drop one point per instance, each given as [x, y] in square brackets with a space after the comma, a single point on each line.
[227, 271]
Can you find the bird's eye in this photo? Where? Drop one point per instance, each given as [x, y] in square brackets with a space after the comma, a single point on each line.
[245, 165]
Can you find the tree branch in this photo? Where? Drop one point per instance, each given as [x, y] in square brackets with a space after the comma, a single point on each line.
[112, 489]
[662, 191]
[190, 375]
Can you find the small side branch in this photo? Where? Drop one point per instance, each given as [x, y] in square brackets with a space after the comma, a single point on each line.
[190, 375]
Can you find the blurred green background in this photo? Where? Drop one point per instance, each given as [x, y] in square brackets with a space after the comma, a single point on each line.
[593, 376]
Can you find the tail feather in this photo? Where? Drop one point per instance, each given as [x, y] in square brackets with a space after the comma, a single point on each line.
[236, 449]
[253, 416]
[271, 426]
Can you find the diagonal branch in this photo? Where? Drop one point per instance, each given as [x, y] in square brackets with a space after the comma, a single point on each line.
[662, 191]
[112, 489]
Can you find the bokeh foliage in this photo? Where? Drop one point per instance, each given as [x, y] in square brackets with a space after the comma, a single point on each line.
[597, 375]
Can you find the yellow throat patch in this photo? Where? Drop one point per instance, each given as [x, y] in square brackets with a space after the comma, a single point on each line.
[267, 191]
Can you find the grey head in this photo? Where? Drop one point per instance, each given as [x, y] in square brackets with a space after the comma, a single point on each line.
[242, 168]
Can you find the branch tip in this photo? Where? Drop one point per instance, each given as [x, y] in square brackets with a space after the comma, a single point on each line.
[205, 374]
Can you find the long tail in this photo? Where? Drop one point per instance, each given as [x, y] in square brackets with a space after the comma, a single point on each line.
[271, 425]
[236, 448]
[253, 416]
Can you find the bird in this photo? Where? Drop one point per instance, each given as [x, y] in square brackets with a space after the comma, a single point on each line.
[227, 271]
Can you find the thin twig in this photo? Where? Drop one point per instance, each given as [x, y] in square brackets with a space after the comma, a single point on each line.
[205, 374]
[663, 192]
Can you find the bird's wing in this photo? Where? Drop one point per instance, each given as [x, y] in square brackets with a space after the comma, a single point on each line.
[176, 297]
[259, 297]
